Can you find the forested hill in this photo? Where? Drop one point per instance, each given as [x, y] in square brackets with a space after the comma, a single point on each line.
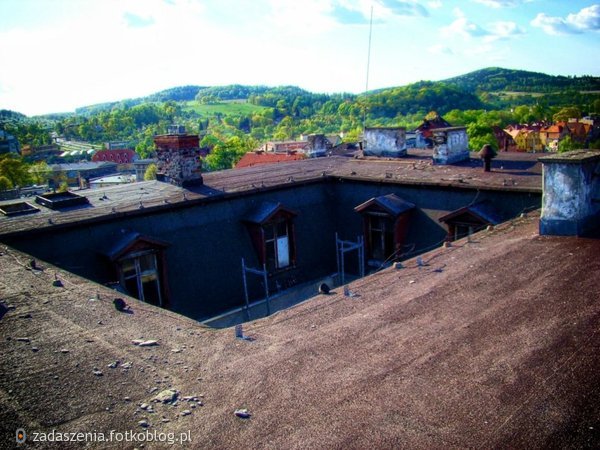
[462, 92]
[423, 96]
[176, 94]
[497, 79]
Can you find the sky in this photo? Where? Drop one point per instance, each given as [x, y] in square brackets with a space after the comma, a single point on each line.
[58, 55]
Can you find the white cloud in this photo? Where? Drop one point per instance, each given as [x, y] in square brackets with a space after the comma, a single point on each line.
[588, 19]
[440, 49]
[501, 3]
[552, 25]
[461, 26]
[503, 30]
[405, 7]
[435, 4]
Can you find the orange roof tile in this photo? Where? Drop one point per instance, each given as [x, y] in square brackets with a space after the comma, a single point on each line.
[257, 158]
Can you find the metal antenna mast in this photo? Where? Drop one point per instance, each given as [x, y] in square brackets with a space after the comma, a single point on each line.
[368, 67]
[369, 49]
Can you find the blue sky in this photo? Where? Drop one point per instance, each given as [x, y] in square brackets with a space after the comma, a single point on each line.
[61, 54]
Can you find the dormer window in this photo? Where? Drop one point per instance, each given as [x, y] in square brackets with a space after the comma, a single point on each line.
[140, 265]
[470, 219]
[385, 223]
[140, 277]
[271, 229]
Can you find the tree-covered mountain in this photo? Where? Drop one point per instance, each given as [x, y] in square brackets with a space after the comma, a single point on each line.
[241, 117]
[7, 115]
[497, 79]
[420, 97]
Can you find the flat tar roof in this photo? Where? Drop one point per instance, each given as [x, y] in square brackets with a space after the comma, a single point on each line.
[463, 351]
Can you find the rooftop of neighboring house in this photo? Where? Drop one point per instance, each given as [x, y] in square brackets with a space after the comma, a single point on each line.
[579, 128]
[121, 156]
[556, 128]
[83, 166]
[435, 122]
[259, 158]
[490, 343]
[510, 172]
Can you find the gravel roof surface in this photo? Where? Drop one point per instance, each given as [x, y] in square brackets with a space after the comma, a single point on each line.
[492, 343]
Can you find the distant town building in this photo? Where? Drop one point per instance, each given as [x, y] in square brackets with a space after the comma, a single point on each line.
[551, 135]
[424, 132]
[111, 180]
[79, 174]
[119, 156]
[8, 143]
[259, 158]
[311, 145]
[117, 145]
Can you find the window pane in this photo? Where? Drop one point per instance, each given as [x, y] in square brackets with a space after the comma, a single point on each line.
[128, 268]
[151, 291]
[132, 288]
[283, 252]
[147, 262]
[268, 232]
[270, 254]
[281, 229]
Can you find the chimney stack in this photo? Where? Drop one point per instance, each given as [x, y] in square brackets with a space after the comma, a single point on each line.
[450, 145]
[178, 157]
[571, 200]
[385, 142]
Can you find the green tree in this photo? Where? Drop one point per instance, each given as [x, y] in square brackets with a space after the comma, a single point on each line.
[226, 154]
[595, 145]
[567, 144]
[479, 135]
[40, 172]
[15, 170]
[567, 113]
[524, 114]
[5, 183]
[150, 173]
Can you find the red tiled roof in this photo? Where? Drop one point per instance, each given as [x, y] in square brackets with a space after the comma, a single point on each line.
[578, 128]
[123, 156]
[552, 129]
[257, 158]
[428, 125]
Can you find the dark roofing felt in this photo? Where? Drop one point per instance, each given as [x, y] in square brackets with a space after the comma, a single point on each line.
[510, 172]
[391, 203]
[462, 352]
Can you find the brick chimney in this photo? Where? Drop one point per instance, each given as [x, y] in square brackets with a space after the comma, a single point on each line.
[178, 157]
[571, 200]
